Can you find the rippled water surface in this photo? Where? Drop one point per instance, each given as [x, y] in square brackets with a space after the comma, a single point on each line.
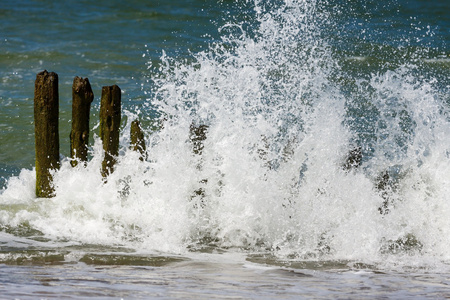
[216, 276]
[323, 170]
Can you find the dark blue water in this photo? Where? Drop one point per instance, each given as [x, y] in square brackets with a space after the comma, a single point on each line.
[108, 42]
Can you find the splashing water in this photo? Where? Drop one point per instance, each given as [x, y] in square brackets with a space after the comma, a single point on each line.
[273, 172]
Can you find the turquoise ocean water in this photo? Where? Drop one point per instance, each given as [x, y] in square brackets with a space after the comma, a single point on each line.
[287, 89]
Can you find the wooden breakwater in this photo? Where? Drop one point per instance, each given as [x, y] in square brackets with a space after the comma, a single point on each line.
[46, 118]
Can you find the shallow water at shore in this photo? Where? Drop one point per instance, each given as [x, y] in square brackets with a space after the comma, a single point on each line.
[216, 276]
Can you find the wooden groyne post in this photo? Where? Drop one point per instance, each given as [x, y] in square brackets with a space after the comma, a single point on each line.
[353, 159]
[197, 135]
[82, 97]
[137, 139]
[110, 115]
[46, 131]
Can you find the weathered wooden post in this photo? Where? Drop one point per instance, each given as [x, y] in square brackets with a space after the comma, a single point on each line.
[353, 159]
[197, 135]
[109, 126]
[137, 139]
[46, 131]
[82, 97]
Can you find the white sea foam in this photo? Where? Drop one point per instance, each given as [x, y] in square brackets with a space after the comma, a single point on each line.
[271, 171]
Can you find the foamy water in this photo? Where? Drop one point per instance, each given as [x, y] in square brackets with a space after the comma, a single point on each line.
[282, 116]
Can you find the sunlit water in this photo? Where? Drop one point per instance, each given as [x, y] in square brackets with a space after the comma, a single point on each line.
[324, 171]
[222, 277]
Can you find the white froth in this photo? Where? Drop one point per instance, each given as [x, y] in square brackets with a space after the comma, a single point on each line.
[272, 158]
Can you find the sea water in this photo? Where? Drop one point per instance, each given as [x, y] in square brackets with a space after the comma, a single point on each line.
[324, 171]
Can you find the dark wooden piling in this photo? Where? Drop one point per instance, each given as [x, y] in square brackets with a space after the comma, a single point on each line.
[137, 139]
[197, 136]
[109, 126]
[82, 97]
[353, 159]
[383, 184]
[46, 116]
